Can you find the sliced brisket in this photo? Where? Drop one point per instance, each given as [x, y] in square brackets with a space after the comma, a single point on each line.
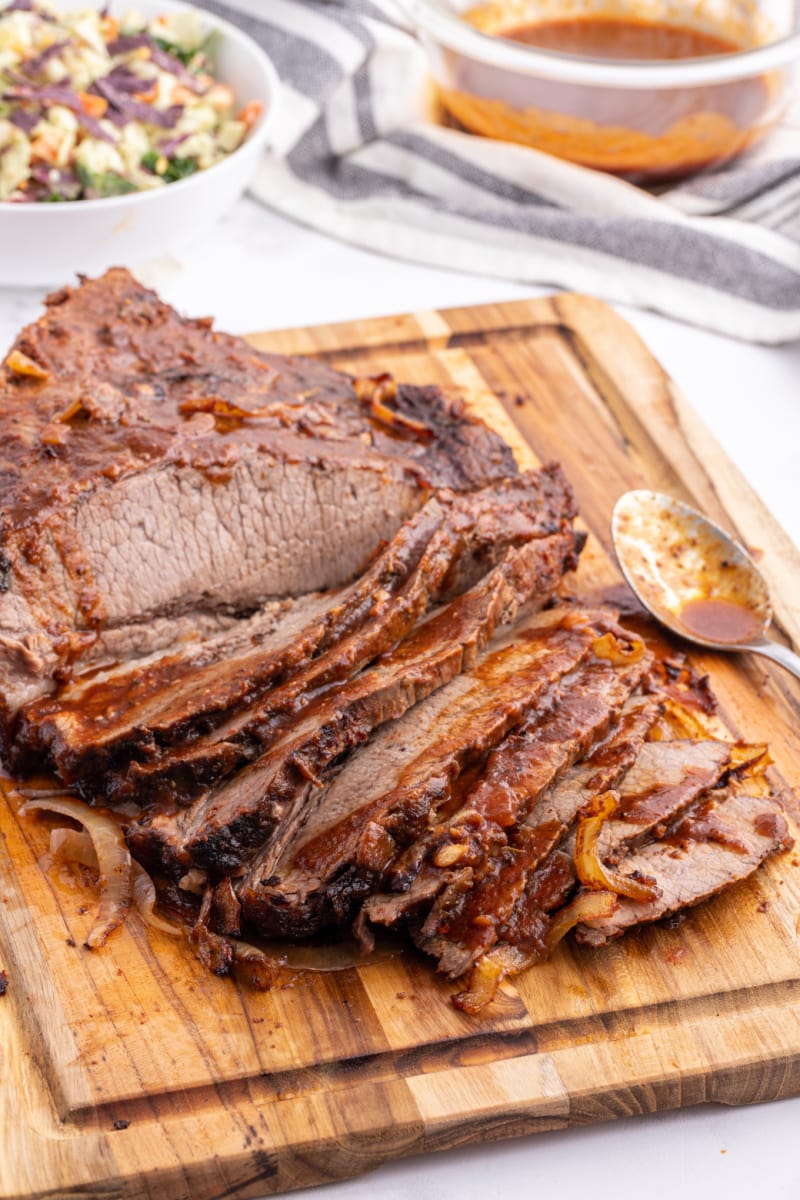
[722, 838]
[92, 730]
[155, 469]
[507, 846]
[547, 875]
[665, 779]
[185, 771]
[223, 828]
[367, 818]
[719, 843]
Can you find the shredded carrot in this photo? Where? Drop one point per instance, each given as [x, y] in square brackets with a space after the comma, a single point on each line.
[149, 95]
[250, 113]
[109, 27]
[93, 106]
[44, 150]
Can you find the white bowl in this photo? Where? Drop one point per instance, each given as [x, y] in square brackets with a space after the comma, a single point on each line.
[45, 244]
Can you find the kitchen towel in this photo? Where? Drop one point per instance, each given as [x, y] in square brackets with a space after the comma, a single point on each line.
[357, 156]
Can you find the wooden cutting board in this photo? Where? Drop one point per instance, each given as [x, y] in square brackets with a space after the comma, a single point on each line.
[131, 1072]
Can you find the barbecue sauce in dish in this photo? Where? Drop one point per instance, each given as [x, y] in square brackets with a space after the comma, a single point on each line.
[632, 39]
[645, 134]
[720, 621]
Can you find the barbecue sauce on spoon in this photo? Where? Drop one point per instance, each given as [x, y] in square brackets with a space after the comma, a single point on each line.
[720, 621]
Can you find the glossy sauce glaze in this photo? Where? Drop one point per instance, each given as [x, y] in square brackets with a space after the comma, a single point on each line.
[704, 824]
[720, 621]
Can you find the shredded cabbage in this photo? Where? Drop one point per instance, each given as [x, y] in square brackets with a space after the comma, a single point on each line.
[92, 106]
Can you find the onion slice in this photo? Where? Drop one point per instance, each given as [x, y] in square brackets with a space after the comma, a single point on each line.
[749, 760]
[375, 391]
[617, 652]
[684, 724]
[144, 897]
[113, 861]
[74, 846]
[592, 871]
[587, 906]
[486, 976]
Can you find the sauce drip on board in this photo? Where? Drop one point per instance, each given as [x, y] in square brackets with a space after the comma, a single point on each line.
[720, 621]
[645, 134]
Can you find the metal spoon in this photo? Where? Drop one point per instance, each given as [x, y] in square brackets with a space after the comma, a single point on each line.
[693, 577]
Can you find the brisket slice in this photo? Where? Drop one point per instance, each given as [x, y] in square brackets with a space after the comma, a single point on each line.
[162, 470]
[91, 730]
[545, 875]
[524, 940]
[717, 844]
[385, 796]
[666, 778]
[228, 823]
[180, 775]
[721, 839]
[610, 761]
[496, 849]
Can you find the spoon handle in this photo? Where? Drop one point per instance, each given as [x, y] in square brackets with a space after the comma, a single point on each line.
[779, 654]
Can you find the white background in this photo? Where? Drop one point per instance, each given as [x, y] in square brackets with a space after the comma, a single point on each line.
[261, 272]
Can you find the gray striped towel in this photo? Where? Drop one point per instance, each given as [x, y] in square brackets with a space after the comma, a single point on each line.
[357, 157]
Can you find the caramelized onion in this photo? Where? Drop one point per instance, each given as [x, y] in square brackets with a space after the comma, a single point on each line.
[73, 845]
[23, 364]
[375, 391]
[592, 871]
[683, 723]
[113, 861]
[486, 976]
[224, 408]
[144, 897]
[588, 906]
[750, 761]
[616, 651]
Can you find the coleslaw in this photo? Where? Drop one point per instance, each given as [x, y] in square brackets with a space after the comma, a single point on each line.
[94, 106]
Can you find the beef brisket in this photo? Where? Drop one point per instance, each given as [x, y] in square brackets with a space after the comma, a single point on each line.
[367, 818]
[226, 825]
[503, 849]
[185, 771]
[306, 631]
[722, 837]
[666, 778]
[545, 875]
[92, 730]
[722, 842]
[154, 469]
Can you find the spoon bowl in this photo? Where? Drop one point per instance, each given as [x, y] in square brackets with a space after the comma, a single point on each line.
[693, 577]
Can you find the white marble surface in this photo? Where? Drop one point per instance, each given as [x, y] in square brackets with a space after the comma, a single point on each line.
[261, 272]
